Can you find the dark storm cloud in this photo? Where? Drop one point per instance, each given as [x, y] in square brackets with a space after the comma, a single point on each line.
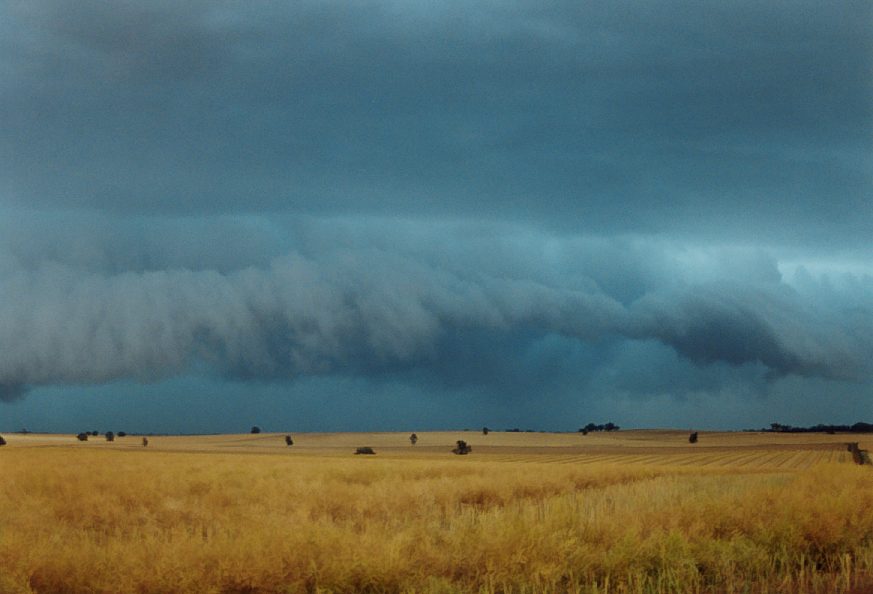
[347, 311]
[11, 391]
[600, 202]
[738, 118]
[768, 325]
[440, 295]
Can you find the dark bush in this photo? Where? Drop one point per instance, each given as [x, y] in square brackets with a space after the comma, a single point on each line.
[83, 436]
[413, 439]
[856, 452]
[485, 430]
[121, 434]
[461, 448]
[692, 438]
[256, 429]
[595, 427]
[364, 450]
[110, 436]
[95, 433]
[288, 440]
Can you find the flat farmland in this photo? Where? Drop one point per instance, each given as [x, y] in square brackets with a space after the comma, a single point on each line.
[622, 446]
[629, 511]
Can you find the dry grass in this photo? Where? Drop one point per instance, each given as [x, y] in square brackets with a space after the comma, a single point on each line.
[238, 514]
[497, 442]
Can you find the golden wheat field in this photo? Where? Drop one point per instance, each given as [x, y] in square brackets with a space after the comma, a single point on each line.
[631, 511]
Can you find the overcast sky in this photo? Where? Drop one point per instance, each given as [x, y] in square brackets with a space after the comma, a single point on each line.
[406, 215]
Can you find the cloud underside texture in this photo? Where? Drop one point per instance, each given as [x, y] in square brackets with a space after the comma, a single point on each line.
[368, 311]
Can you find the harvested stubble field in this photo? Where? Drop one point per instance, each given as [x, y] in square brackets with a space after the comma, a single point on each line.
[635, 511]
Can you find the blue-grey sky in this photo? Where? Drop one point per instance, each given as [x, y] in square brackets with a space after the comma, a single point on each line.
[399, 215]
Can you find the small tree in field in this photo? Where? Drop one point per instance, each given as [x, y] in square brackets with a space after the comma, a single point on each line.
[110, 436]
[82, 436]
[485, 430]
[256, 429]
[413, 439]
[461, 448]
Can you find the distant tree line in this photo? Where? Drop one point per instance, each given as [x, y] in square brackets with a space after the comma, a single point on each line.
[110, 436]
[856, 428]
[595, 427]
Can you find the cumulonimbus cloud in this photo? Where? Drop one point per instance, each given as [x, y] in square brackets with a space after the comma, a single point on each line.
[736, 324]
[358, 310]
[297, 316]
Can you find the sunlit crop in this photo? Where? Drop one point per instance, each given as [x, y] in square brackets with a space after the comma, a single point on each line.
[136, 520]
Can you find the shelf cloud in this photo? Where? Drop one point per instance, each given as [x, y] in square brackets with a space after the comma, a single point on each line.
[362, 309]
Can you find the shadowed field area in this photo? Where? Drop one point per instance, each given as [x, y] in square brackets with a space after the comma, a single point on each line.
[631, 511]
